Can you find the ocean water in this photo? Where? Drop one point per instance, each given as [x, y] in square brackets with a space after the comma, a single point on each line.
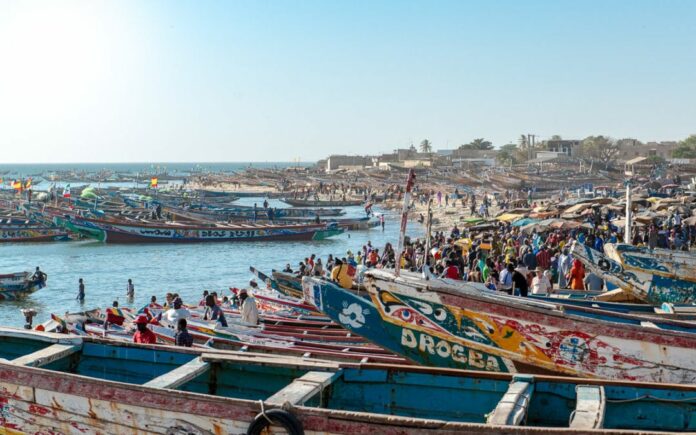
[156, 269]
[35, 169]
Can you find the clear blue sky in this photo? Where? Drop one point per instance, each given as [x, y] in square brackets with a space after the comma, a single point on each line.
[277, 80]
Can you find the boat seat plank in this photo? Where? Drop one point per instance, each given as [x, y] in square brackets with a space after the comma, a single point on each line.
[271, 360]
[512, 408]
[47, 355]
[589, 407]
[180, 375]
[303, 388]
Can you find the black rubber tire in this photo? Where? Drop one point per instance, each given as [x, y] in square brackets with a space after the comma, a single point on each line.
[279, 417]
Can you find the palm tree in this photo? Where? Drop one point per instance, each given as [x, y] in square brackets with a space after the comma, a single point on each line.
[426, 146]
[522, 141]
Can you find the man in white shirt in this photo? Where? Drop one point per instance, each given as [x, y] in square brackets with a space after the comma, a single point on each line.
[506, 278]
[173, 315]
[540, 284]
[250, 314]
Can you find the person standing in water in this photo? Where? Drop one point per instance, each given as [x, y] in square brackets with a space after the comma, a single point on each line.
[81, 291]
[130, 289]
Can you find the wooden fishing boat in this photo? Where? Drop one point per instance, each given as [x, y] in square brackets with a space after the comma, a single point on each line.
[653, 284]
[288, 284]
[17, 285]
[663, 262]
[323, 203]
[53, 383]
[361, 316]
[33, 234]
[123, 231]
[575, 341]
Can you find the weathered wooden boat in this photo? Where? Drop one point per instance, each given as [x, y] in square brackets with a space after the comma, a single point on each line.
[33, 234]
[361, 316]
[649, 284]
[663, 262]
[288, 284]
[17, 285]
[248, 211]
[565, 339]
[121, 231]
[52, 383]
[323, 203]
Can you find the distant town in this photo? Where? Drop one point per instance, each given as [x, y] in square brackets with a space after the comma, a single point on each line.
[594, 153]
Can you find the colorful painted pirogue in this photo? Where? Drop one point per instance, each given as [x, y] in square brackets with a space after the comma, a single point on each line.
[652, 278]
[27, 229]
[322, 203]
[550, 337]
[17, 285]
[361, 316]
[123, 231]
[53, 383]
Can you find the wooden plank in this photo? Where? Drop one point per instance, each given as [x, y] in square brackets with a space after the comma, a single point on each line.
[589, 407]
[271, 360]
[47, 355]
[512, 408]
[303, 388]
[180, 375]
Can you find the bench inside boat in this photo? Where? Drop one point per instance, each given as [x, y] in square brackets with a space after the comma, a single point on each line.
[415, 392]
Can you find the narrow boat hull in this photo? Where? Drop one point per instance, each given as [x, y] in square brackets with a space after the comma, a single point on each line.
[569, 340]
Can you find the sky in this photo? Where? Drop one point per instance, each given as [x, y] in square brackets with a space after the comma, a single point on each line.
[281, 80]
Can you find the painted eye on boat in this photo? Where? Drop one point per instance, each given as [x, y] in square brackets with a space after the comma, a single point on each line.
[440, 314]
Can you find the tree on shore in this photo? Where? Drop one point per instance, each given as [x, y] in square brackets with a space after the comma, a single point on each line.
[479, 144]
[686, 148]
[601, 148]
[426, 146]
[508, 154]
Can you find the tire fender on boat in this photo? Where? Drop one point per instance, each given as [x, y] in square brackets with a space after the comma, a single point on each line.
[276, 417]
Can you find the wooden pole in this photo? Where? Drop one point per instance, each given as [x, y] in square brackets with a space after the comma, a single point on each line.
[404, 220]
[627, 235]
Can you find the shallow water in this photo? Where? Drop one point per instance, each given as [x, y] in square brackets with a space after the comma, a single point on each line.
[187, 269]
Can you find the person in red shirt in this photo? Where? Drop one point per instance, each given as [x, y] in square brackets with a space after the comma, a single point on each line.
[543, 258]
[451, 271]
[143, 335]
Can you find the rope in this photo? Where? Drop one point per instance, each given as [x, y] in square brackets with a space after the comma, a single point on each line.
[263, 412]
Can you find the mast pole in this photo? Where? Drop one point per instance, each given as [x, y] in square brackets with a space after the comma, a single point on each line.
[404, 220]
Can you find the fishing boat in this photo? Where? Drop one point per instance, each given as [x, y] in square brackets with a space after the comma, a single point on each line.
[361, 316]
[570, 340]
[128, 231]
[288, 284]
[33, 234]
[663, 262]
[647, 278]
[323, 203]
[53, 383]
[17, 285]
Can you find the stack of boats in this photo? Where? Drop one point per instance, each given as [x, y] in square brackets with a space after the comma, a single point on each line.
[139, 216]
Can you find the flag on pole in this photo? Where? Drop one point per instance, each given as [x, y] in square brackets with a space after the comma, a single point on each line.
[66, 191]
[27, 184]
[153, 182]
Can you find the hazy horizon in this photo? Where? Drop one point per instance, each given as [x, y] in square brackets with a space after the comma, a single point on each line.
[132, 82]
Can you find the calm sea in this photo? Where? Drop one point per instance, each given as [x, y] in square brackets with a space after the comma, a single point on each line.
[157, 269]
[33, 169]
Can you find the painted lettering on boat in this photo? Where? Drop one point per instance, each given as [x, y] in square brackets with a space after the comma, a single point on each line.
[444, 349]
